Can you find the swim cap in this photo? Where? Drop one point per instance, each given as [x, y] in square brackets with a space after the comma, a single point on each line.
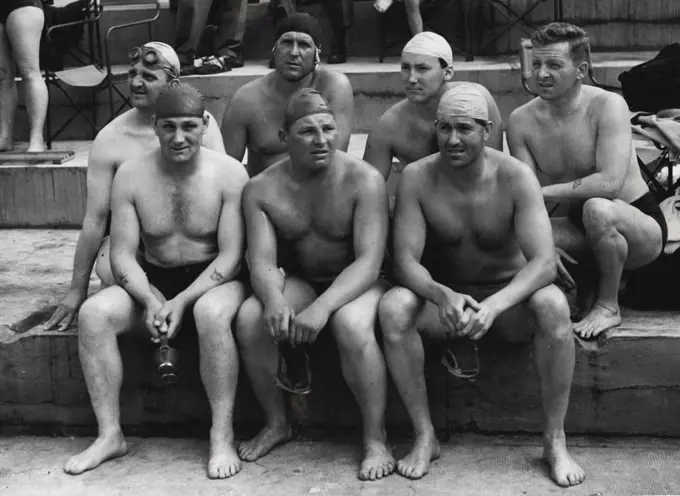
[304, 102]
[180, 100]
[167, 52]
[299, 22]
[464, 100]
[432, 44]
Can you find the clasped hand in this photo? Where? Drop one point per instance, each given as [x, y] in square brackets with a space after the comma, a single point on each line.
[164, 318]
[284, 326]
[461, 315]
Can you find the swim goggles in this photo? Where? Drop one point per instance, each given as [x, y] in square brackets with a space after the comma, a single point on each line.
[151, 57]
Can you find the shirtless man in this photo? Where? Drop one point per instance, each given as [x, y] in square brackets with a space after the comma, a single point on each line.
[184, 202]
[405, 131]
[578, 140]
[255, 115]
[477, 216]
[328, 212]
[128, 136]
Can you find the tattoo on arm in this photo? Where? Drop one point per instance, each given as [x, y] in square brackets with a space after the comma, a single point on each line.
[216, 276]
[576, 183]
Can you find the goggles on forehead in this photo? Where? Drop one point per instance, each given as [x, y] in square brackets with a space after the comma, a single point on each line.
[152, 58]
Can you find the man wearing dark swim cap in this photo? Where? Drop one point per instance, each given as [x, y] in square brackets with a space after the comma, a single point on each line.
[184, 202]
[152, 67]
[255, 114]
[325, 212]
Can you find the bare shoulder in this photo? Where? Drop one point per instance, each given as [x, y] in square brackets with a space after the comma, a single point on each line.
[107, 144]
[605, 104]
[418, 174]
[225, 167]
[510, 170]
[135, 171]
[330, 82]
[250, 93]
[524, 114]
[362, 175]
[266, 183]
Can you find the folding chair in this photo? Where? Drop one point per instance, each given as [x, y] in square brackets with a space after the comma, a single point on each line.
[519, 18]
[85, 67]
[394, 19]
[649, 170]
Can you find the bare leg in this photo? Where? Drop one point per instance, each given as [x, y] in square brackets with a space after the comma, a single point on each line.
[363, 368]
[101, 319]
[260, 354]
[620, 236]
[24, 29]
[554, 354]
[8, 91]
[214, 313]
[415, 20]
[405, 358]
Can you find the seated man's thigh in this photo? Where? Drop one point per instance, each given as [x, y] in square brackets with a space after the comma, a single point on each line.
[221, 303]
[114, 308]
[298, 293]
[357, 319]
[642, 233]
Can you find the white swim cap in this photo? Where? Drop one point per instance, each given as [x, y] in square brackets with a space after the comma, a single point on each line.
[432, 44]
[464, 100]
[166, 51]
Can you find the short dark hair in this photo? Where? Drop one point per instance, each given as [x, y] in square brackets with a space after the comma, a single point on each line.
[560, 32]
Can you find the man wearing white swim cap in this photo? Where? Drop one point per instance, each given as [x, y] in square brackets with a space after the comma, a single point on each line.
[320, 215]
[578, 140]
[255, 114]
[152, 67]
[406, 130]
[184, 201]
[474, 254]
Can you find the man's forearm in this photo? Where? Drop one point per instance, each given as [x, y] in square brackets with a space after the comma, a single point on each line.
[132, 278]
[592, 186]
[267, 280]
[533, 276]
[415, 277]
[351, 283]
[89, 242]
[221, 270]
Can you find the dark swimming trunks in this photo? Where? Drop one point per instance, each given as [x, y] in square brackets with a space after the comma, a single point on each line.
[8, 6]
[171, 281]
[646, 204]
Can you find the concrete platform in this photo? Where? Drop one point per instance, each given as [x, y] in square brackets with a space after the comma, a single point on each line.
[626, 383]
[469, 465]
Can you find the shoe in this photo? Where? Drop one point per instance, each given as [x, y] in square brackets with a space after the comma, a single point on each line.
[337, 58]
[213, 65]
[187, 70]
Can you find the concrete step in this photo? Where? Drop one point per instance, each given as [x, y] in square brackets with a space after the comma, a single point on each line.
[632, 369]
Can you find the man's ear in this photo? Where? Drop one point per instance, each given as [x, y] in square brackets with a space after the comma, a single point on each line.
[206, 121]
[283, 136]
[487, 129]
[583, 69]
[448, 74]
[154, 124]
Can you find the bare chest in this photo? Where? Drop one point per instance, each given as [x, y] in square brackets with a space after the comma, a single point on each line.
[414, 141]
[263, 130]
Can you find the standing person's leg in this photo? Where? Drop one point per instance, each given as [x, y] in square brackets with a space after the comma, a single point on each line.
[415, 20]
[363, 368]
[101, 319]
[8, 91]
[214, 313]
[24, 30]
[191, 18]
[231, 30]
[340, 15]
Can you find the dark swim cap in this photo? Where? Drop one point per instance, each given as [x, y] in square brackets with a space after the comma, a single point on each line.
[299, 22]
[304, 102]
[179, 100]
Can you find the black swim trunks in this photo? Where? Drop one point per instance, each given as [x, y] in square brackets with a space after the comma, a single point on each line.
[9, 6]
[171, 281]
[646, 204]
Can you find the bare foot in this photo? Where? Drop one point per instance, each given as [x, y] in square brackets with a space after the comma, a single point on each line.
[264, 442]
[101, 450]
[417, 463]
[37, 147]
[224, 462]
[377, 463]
[563, 469]
[599, 319]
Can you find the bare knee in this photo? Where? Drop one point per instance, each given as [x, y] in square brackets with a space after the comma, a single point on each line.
[397, 312]
[551, 311]
[599, 216]
[249, 327]
[96, 317]
[353, 331]
[215, 311]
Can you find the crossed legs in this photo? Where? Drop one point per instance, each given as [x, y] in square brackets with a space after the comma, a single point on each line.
[112, 312]
[362, 366]
[403, 316]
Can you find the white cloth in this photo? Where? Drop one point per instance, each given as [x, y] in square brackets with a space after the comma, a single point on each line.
[463, 100]
[432, 44]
